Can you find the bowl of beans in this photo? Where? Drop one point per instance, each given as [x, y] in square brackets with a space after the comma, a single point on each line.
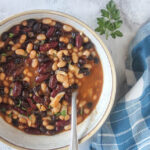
[44, 57]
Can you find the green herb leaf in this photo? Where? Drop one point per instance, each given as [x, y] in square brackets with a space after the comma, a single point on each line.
[11, 35]
[23, 108]
[49, 107]
[11, 92]
[19, 104]
[10, 115]
[110, 21]
[58, 114]
[42, 42]
[3, 110]
[3, 54]
[63, 113]
[81, 111]
[118, 33]
[105, 13]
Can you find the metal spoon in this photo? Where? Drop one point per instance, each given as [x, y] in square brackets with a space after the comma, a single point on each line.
[74, 138]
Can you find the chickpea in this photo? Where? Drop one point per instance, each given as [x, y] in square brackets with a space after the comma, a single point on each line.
[25, 71]
[20, 52]
[5, 100]
[64, 39]
[8, 119]
[1, 100]
[8, 112]
[33, 54]
[86, 110]
[11, 43]
[22, 120]
[67, 127]
[79, 119]
[29, 47]
[74, 57]
[5, 83]
[54, 66]
[43, 87]
[34, 63]
[94, 97]
[85, 39]
[67, 28]
[6, 90]
[10, 78]
[16, 46]
[45, 123]
[15, 116]
[24, 23]
[69, 46]
[80, 54]
[46, 21]
[67, 117]
[53, 23]
[61, 64]
[82, 103]
[27, 79]
[2, 44]
[10, 101]
[50, 127]
[3, 58]
[22, 38]
[41, 37]
[29, 74]
[86, 53]
[33, 119]
[61, 117]
[2, 76]
[65, 103]
[65, 84]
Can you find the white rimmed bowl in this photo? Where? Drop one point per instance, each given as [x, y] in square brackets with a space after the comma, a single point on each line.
[21, 140]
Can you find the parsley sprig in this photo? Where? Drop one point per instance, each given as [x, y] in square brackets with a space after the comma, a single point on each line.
[110, 21]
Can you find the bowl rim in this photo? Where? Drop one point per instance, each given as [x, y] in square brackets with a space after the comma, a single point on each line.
[114, 82]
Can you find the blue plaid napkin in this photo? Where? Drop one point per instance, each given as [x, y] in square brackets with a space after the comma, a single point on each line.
[128, 126]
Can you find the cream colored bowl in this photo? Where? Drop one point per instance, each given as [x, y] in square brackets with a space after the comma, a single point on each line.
[19, 139]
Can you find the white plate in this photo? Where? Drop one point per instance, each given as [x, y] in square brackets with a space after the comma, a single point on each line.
[95, 120]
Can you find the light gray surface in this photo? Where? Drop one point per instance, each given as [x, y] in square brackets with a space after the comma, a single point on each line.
[134, 14]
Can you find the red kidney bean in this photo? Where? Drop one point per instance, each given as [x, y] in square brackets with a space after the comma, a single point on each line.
[32, 130]
[62, 123]
[17, 89]
[54, 93]
[26, 29]
[9, 68]
[52, 81]
[44, 68]
[43, 58]
[28, 61]
[20, 111]
[33, 106]
[17, 72]
[41, 78]
[47, 46]
[79, 41]
[38, 99]
[15, 29]
[50, 32]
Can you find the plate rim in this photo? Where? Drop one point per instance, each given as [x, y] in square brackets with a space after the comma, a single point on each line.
[113, 71]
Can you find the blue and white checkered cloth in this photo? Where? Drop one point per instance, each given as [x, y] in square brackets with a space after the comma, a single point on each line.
[128, 126]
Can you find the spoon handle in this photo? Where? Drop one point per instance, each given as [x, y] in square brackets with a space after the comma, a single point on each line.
[74, 138]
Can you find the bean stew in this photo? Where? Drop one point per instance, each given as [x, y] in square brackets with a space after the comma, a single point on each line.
[41, 63]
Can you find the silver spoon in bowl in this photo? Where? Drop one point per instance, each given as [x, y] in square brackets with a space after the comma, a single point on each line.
[74, 137]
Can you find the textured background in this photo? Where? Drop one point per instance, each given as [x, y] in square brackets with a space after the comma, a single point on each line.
[134, 14]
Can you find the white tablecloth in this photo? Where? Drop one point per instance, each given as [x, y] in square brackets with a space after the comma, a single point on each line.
[134, 14]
